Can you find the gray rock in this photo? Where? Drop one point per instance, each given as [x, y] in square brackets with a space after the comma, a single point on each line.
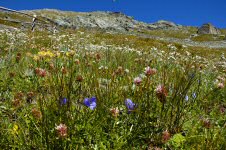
[162, 24]
[4, 27]
[208, 28]
[103, 20]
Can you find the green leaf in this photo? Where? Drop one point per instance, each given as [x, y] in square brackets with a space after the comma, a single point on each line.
[177, 140]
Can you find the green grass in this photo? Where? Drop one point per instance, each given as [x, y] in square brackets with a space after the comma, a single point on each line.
[208, 37]
[180, 106]
[182, 33]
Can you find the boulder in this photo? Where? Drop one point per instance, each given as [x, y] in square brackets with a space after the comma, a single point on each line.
[208, 28]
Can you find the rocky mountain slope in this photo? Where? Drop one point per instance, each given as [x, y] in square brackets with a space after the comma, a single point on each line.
[103, 20]
[113, 22]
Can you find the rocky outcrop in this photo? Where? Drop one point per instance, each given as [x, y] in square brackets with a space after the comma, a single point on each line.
[208, 28]
[98, 19]
[162, 24]
[110, 21]
[102, 20]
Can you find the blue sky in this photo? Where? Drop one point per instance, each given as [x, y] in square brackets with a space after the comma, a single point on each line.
[185, 12]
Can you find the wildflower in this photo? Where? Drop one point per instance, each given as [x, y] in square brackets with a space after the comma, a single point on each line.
[206, 123]
[221, 79]
[194, 95]
[30, 96]
[18, 57]
[90, 102]
[103, 68]
[63, 101]
[165, 136]
[77, 62]
[186, 98]
[16, 102]
[119, 70]
[220, 85]
[98, 56]
[161, 93]
[31, 66]
[57, 54]
[36, 58]
[36, 113]
[61, 130]
[130, 105]
[70, 53]
[51, 66]
[222, 109]
[40, 72]
[137, 80]
[19, 95]
[148, 71]
[79, 78]
[46, 54]
[126, 71]
[114, 111]
[64, 70]
[15, 129]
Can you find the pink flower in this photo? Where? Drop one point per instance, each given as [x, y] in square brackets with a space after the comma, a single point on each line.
[137, 80]
[61, 130]
[161, 93]
[206, 123]
[220, 85]
[114, 111]
[40, 72]
[148, 71]
[165, 136]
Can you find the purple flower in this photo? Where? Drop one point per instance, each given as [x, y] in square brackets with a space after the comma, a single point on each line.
[130, 105]
[63, 101]
[194, 95]
[90, 102]
[137, 80]
[186, 98]
[192, 75]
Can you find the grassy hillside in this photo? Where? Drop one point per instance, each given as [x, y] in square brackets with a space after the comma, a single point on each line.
[91, 89]
[87, 89]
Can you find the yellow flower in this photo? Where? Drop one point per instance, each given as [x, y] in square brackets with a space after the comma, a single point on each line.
[46, 54]
[42, 53]
[50, 54]
[71, 53]
[36, 58]
[15, 129]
